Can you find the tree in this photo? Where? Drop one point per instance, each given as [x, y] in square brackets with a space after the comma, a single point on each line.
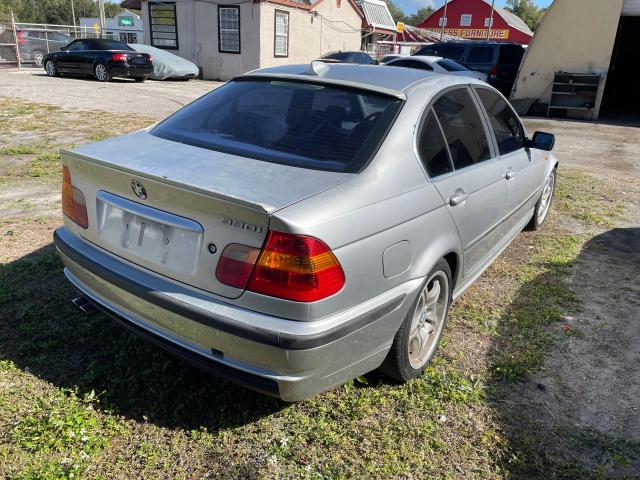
[397, 14]
[420, 16]
[53, 11]
[527, 11]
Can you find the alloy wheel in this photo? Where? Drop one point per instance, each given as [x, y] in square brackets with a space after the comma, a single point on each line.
[101, 72]
[50, 67]
[547, 196]
[428, 320]
[37, 58]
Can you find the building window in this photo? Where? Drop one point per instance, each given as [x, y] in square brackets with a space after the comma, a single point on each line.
[281, 31]
[442, 21]
[128, 37]
[229, 29]
[465, 20]
[163, 25]
[488, 22]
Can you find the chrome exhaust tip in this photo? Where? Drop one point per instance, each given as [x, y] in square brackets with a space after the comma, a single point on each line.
[84, 305]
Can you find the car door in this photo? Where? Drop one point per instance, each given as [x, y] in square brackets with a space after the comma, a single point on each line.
[69, 60]
[523, 168]
[474, 189]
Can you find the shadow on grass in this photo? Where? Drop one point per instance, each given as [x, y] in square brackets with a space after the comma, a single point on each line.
[43, 333]
[556, 430]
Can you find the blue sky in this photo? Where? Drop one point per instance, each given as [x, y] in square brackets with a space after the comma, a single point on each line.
[411, 6]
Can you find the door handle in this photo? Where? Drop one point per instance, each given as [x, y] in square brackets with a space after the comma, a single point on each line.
[458, 198]
[510, 174]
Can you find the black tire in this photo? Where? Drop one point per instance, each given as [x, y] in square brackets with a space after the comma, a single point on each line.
[397, 365]
[51, 68]
[140, 79]
[542, 208]
[101, 72]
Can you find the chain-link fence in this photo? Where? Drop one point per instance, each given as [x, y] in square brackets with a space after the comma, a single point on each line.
[35, 40]
[25, 44]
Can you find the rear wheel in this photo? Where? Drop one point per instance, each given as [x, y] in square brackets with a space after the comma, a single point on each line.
[417, 340]
[101, 73]
[541, 210]
[50, 68]
[37, 57]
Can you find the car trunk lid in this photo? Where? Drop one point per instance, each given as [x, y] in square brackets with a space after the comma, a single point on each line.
[173, 208]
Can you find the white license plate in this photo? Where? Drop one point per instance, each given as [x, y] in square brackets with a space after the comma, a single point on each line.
[137, 231]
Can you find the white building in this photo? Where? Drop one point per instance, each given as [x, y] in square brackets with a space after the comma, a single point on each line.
[126, 27]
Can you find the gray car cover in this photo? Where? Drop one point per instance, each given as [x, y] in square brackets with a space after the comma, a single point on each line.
[167, 65]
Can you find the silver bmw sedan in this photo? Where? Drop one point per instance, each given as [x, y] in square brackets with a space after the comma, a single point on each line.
[303, 225]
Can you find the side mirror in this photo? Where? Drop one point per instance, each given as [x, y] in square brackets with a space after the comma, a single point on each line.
[63, 49]
[543, 141]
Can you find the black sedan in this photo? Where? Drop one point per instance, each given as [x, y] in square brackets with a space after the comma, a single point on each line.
[102, 59]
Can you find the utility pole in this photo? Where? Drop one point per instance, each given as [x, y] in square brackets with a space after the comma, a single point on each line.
[73, 16]
[443, 20]
[103, 21]
[490, 26]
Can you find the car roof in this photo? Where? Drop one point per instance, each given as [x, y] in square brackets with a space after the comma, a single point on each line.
[378, 78]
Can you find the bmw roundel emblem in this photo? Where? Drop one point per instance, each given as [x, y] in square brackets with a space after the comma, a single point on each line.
[138, 189]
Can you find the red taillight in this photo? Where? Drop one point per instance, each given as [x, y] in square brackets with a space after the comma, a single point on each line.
[296, 267]
[494, 72]
[119, 57]
[73, 203]
[235, 264]
[150, 59]
[20, 38]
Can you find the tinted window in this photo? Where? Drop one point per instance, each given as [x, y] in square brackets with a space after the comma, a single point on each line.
[432, 148]
[36, 35]
[411, 64]
[511, 54]
[480, 55]
[76, 46]
[388, 58]
[451, 66]
[108, 45]
[462, 127]
[301, 124]
[453, 52]
[506, 125]
[341, 56]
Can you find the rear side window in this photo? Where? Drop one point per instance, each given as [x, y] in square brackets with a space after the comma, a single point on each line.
[451, 66]
[433, 149]
[454, 52]
[505, 123]
[480, 55]
[294, 123]
[462, 128]
[511, 54]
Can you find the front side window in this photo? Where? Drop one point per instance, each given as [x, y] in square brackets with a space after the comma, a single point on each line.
[281, 41]
[307, 125]
[433, 149]
[505, 123]
[229, 29]
[163, 25]
[76, 46]
[463, 128]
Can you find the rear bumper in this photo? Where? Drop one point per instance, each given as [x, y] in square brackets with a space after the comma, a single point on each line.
[119, 70]
[294, 361]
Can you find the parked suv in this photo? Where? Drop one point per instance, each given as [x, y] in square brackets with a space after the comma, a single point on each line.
[499, 60]
[33, 45]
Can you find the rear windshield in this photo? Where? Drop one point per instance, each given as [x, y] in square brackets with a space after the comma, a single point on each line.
[342, 56]
[294, 123]
[451, 66]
